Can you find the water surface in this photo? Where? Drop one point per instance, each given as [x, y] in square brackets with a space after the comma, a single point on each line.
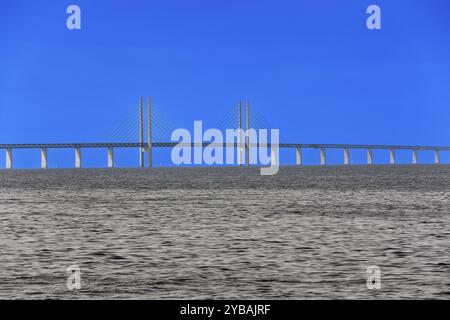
[179, 233]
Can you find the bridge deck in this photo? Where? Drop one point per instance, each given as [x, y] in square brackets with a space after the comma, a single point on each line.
[204, 144]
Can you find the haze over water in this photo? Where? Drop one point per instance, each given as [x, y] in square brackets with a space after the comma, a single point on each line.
[187, 233]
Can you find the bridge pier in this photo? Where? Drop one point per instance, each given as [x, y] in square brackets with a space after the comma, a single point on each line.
[346, 156]
[110, 157]
[77, 157]
[414, 157]
[298, 156]
[391, 156]
[323, 156]
[369, 156]
[437, 157]
[274, 156]
[9, 158]
[44, 163]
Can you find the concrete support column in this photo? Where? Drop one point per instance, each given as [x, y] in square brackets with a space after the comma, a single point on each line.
[239, 154]
[369, 156]
[274, 156]
[414, 157]
[78, 157]
[346, 156]
[110, 157]
[437, 157]
[323, 156]
[141, 157]
[298, 156]
[44, 163]
[392, 156]
[150, 156]
[9, 158]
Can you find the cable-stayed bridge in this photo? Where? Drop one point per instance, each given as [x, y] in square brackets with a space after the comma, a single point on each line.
[132, 133]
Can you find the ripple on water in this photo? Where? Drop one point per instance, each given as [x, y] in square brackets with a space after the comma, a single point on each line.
[307, 232]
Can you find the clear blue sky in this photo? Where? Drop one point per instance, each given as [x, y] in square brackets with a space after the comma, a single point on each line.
[311, 67]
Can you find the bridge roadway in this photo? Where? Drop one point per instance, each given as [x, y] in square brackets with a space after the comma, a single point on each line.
[204, 144]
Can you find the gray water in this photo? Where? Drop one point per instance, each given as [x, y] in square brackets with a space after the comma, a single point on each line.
[306, 233]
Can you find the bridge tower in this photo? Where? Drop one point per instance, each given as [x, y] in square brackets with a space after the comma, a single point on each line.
[149, 133]
[240, 149]
[141, 134]
[247, 134]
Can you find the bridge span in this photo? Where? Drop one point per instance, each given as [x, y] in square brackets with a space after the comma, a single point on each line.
[240, 145]
[145, 147]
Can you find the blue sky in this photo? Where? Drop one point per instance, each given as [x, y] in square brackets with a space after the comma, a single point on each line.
[311, 67]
